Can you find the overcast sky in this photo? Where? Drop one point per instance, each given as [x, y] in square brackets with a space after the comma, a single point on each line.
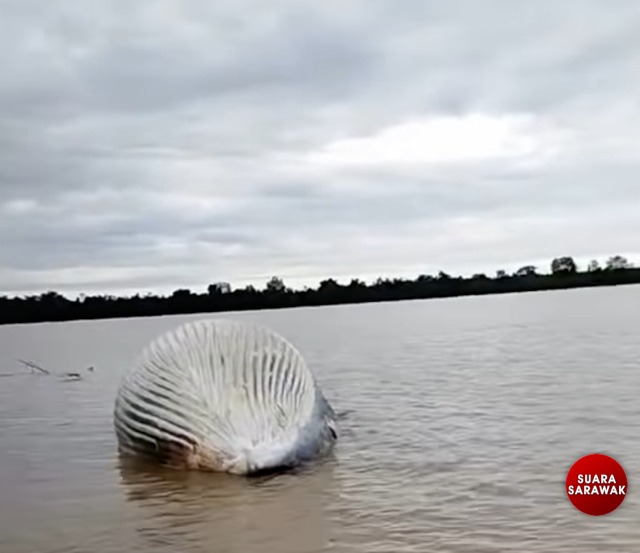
[148, 146]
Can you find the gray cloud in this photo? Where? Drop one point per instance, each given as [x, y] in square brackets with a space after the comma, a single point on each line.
[158, 145]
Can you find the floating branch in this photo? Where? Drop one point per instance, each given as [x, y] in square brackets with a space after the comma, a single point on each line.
[33, 366]
[67, 376]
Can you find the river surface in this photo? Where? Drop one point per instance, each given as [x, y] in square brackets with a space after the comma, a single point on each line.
[461, 418]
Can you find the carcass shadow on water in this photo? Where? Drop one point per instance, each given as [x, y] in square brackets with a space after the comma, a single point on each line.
[277, 511]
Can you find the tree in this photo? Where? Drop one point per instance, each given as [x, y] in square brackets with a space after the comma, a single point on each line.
[276, 285]
[219, 296]
[249, 289]
[219, 288]
[527, 270]
[328, 285]
[594, 266]
[181, 293]
[564, 264]
[617, 262]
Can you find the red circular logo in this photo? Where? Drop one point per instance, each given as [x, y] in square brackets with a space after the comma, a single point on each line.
[596, 484]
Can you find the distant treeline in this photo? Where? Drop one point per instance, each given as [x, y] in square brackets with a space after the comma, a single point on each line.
[52, 306]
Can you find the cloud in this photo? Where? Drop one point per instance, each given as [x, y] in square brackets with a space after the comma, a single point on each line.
[152, 146]
[444, 139]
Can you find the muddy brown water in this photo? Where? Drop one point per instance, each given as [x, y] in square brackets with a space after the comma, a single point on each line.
[461, 419]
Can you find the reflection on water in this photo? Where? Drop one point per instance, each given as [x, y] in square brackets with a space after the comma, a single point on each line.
[215, 512]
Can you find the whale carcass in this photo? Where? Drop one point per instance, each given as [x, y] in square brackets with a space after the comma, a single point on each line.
[225, 396]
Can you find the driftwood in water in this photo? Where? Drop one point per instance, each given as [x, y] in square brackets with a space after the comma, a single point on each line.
[33, 366]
